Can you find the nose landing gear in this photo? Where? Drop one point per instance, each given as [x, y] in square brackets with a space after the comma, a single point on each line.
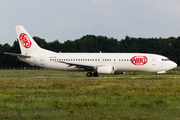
[158, 75]
[89, 74]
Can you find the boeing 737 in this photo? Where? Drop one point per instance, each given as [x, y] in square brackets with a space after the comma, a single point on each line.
[94, 63]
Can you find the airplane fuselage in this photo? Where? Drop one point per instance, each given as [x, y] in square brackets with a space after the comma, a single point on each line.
[120, 61]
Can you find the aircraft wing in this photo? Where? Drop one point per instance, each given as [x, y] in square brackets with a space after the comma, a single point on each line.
[18, 55]
[77, 65]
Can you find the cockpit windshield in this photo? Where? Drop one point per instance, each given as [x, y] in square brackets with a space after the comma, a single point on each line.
[165, 59]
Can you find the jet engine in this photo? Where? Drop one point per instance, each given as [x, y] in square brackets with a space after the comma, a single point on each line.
[105, 70]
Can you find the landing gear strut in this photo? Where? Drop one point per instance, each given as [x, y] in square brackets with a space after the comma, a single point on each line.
[158, 75]
[89, 74]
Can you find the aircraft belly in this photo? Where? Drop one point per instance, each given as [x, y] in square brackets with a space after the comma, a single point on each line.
[134, 68]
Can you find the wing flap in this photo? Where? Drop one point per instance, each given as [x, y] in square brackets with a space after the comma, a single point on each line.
[77, 65]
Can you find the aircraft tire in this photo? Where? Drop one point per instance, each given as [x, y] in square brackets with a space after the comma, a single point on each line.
[89, 74]
[95, 74]
[158, 75]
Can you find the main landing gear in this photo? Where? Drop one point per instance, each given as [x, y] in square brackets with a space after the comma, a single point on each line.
[90, 74]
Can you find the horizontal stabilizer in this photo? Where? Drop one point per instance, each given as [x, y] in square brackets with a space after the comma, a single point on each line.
[18, 55]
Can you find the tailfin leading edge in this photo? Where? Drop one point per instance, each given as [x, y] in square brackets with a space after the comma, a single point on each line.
[26, 42]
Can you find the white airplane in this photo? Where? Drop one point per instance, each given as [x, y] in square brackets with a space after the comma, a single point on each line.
[95, 63]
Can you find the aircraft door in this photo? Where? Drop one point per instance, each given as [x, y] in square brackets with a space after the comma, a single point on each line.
[101, 60]
[162, 64]
[42, 60]
[153, 61]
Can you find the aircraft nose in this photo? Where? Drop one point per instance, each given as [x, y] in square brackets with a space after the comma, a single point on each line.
[173, 64]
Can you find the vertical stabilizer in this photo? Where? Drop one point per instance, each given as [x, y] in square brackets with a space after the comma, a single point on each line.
[27, 45]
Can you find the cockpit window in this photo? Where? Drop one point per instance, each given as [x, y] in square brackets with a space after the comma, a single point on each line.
[165, 59]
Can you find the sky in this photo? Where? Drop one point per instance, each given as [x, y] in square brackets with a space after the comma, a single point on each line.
[64, 20]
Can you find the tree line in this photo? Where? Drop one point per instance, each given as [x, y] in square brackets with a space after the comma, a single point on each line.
[169, 47]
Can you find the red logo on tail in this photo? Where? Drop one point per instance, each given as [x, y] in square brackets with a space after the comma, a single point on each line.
[25, 41]
[139, 60]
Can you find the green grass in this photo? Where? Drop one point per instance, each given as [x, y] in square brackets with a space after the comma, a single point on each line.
[40, 73]
[145, 98]
[16, 73]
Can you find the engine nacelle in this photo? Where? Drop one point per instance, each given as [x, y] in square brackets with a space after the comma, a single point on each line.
[105, 70]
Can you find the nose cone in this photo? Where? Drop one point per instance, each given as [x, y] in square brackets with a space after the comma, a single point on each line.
[173, 65]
